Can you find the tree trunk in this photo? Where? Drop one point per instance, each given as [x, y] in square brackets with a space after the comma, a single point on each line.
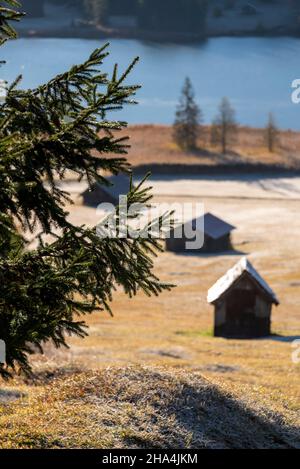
[224, 141]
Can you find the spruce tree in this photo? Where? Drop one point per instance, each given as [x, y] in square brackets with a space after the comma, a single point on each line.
[188, 118]
[96, 10]
[44, 133]
[224, 126]
[271, 133]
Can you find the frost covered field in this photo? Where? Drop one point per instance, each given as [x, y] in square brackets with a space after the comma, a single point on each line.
[174, 330]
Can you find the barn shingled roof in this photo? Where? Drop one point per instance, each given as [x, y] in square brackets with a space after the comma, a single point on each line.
[213, 226]
[233, 274]
[119, 185]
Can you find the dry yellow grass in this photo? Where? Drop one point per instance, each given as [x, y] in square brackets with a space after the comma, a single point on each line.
[174, 331]
[154, 144]
[139, 407]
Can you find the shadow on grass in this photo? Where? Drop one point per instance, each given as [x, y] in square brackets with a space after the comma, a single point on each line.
[216, 156]
[145, 407]
[212, 418]
[208, 255]
[221, 171]
[282, 338]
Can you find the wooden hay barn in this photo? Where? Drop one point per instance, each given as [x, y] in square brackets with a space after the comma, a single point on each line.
[216, 235]
[119, 185]
[33, 8]
[243, 303]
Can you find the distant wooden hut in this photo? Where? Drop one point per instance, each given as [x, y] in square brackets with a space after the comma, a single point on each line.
[119, 185]
[33, 8]
[243, 303]
[216, 235]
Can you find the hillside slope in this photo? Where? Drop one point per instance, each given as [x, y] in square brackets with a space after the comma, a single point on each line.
[137, 407]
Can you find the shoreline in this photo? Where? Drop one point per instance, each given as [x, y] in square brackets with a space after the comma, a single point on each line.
[70, 21]
[181, 38]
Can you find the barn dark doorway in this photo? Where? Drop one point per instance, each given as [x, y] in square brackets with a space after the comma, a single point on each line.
[240, 317]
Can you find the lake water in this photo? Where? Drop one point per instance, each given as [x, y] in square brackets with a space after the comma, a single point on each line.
[254, 73]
